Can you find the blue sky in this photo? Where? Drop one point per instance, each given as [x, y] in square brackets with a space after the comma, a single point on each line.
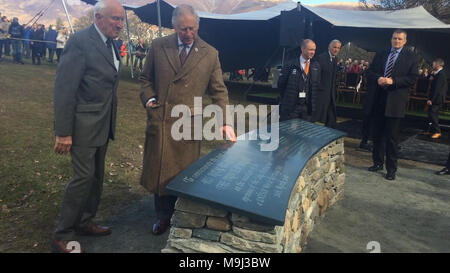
[324, 1]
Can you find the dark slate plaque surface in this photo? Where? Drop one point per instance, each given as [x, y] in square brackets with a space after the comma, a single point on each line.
[241, 178]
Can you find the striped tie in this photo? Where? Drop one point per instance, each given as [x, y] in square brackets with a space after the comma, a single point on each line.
[388, 72]
[183, 55]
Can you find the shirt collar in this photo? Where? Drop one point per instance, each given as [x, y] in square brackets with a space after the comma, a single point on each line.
[180, 43]
[302, 60]
[331, 56]
[104, 38]
[398, 50]
[437, 71]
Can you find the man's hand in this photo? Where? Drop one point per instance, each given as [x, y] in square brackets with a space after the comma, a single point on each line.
[381, 81]
[429, 102]
[389, 81]
[63, 144]
[229, 133]
[150, 104]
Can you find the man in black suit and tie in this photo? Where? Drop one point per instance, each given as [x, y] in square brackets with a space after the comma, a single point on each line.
[298, 84]
[389, 78]
[436, 97]
[85, 105]
[326, 95]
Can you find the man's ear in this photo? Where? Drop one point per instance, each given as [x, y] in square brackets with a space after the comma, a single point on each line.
[98, 16]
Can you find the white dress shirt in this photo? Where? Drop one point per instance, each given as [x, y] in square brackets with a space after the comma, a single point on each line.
[104, 39]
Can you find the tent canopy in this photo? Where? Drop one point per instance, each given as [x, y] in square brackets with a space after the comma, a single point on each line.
[256, 39]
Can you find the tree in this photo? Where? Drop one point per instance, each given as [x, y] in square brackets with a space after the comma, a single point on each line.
[84, 21]
[438, 8]
[59, 24]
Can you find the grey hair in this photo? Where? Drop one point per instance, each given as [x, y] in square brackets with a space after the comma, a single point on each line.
[335, 41]
[99, 7]
[440, 62]
[182, 10]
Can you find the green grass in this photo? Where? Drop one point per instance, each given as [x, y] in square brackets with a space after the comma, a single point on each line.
[32, 177]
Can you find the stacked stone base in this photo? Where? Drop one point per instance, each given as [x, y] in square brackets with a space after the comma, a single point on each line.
[197, 227]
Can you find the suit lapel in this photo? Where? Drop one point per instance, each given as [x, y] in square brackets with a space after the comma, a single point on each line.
[197, 52]
[101, 46]
[171, 51]
[399, 61]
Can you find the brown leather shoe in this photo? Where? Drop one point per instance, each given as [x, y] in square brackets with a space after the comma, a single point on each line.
[160, 226]
[436, 136]
[94, 230]
[61, 247]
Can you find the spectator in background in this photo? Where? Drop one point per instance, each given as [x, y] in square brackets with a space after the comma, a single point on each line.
[26, 42]
[140, 53]
[118, 42]
[355, 68]
[61, 41]
[17, 33]
[425, 73]
[436, 97]
[50, 38]
[341, 65]
[3, 34]
[7, 44]
[36, 34]
[130, 52]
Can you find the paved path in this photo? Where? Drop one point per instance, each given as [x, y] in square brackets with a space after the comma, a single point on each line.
[410, 214]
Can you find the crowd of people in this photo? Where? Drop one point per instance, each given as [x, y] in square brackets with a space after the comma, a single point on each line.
[36, 41]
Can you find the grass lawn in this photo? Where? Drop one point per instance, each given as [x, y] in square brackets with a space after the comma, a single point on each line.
[32, 177]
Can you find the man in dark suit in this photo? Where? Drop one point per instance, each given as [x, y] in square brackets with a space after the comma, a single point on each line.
[326, 95]
[389, 78]
[298, 85]
[436, 97]
[85, 105]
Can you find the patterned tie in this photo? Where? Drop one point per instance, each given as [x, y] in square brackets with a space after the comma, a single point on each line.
[183, 55]
[388, 72]
[307, 67]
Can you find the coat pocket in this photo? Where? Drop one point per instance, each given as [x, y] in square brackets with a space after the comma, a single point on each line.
[83, 108]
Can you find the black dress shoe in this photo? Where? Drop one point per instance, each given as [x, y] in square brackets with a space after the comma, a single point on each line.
[444, 171]
[375, 168]
[390, 176]
[160, 227]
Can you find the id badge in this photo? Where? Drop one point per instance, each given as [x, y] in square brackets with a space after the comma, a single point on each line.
[302, 95]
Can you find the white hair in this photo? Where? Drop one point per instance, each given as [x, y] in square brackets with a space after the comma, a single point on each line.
[99, 7]
[335, 41]
[182, 10]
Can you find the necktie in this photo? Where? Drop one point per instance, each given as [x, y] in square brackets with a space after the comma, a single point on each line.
[183, 55]
[388, 72]
[307, 67]
[109, 42]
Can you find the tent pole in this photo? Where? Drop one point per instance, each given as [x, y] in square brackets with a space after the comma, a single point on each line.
[68, 16]
[129, 53]
[158, 6]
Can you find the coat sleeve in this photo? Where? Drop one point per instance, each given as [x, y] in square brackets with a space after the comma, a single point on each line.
[147, 78]
[216, 87]
[410, 78]
[283, 79]
[440, 89]
[375, 70]
[68, 78]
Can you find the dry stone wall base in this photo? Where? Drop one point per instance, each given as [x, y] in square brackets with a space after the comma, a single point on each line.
[197, 227]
